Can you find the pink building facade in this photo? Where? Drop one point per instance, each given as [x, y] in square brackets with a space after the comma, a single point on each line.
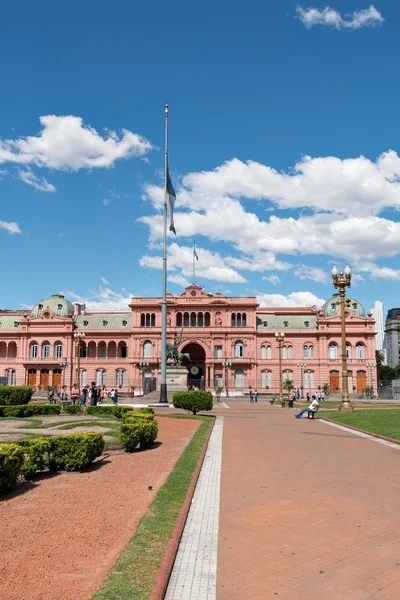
[230, 340]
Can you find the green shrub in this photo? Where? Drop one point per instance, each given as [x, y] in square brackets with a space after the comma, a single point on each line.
[108, 411]
[135, 416]
[37, 455]
[76, 451]
[11, 395]
[73, 409]
[147, 410]
[11, 465]
[142, 433]
[29, 410]
[194, 401]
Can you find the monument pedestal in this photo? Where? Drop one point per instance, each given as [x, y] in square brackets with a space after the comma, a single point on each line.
[177, 378]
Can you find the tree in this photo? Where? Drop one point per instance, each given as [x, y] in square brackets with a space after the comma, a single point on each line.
[326, 389]
[380, 362]
[288, 385]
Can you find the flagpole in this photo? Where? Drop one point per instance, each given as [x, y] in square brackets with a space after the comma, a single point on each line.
[163, 386]
[194, 263]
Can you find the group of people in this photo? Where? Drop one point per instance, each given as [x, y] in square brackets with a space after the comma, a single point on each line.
[93, 394]
[253, 396]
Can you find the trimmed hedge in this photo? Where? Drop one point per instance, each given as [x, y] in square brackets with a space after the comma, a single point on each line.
[11, 465]
[194, 401]
[63, 452]
[108, 411]
[147, 410]
[29, 410]
[73, 409]
[142, 433]
[133, 417]
[11, 395]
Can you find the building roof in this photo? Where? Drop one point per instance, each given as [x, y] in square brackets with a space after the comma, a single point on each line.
[8, 322]
[98, 320]
[267, 322]
[57, 303]
[331, 308]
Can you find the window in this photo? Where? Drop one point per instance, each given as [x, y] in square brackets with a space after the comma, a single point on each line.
[10, 376]
[207, 319]
[85, 323]
[311, 352]
[238, 320]
[148, 320]
[200, 320]
[40, 308]
[16, 323]
[179, 319]
[233, 323]
[309, 379]
[59, 310]
[305, 352]
[266, 379]
[45, 350]
[153, 320]
[186, 320]
[355, 305]
[307, 324]
[218, 380]
[98, 377]
[244, 320]
[142, 320]
[332, 351]
[122, 350]
[360, 351]
[103, 377]
[239, 349]
[290, 352]
[124, 323]
[333, 305]
[120, 377]
[192, 319]
[218, 351]
[286, 323]
[58, 350]
[348, 350]
[147, 349]
[33, 350]
[269, 352]
[287, 375]
[83, 377]
[284, 352]
[105, 323]
[102, 350]
[263, 352]
[239, 378]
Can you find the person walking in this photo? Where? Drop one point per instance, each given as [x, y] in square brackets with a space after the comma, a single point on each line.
[255, 395]
[74, 393]
[308, 397]
[323, 397]
[93, 394]
[116, 396]
[314, 406]
[85, 395]
[112, 396]
[251, 396]
[63, 395]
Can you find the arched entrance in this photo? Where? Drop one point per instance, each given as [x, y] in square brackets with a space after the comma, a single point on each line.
[196, 366]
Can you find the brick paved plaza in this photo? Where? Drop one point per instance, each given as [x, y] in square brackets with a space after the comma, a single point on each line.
[307, 512]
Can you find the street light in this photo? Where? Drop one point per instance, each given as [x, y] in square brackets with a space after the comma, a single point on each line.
[64, 364]
[371, 366]
[341, 281]
[226, 365]
[79, 336]
[301, 366]
[280, 338]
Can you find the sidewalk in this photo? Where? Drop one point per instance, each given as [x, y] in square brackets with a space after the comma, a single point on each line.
[307, 511]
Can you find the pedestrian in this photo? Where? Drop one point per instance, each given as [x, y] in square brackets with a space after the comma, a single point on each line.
[251, 396]
[323, 396]
[84, 395]
[308, 397]
[314, 406]
[102, 394]
[63, 395]
[116, 396]
[50, 395]
[74, 393]
[93, 394]
[112, 396]
[255, 395]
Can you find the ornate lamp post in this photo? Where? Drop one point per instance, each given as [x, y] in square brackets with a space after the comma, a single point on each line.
[280, 338]
[226, 365]
[64, 364]
[301, 366]
[341, 281]
[79, 336]
[371, 366]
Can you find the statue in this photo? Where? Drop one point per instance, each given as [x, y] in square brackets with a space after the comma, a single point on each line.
[173, 352]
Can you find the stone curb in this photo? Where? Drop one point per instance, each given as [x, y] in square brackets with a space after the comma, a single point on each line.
[381, 437]
[160, 587]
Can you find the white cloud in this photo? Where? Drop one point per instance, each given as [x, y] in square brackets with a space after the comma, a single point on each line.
[368, 17]
[313, 273]
[210, 265]
[377, 272]
[38, 183]
[291, 300]
[179, 279]
[274, 279]
[10, 227]
[103, 298]
[65, 143]
[106, 201]
[104, 281]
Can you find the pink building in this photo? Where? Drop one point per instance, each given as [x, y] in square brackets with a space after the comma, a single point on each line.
[120, 348]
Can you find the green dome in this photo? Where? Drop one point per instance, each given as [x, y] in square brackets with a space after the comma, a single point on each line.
[57, 303]
[332, 307]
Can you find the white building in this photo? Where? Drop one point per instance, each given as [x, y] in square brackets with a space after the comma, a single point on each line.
[379, 315]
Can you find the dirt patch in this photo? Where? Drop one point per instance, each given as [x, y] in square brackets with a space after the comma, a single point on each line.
[60, 539]
[13, 424]
[12, 437]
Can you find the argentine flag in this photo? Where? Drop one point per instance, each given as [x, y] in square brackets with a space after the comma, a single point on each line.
[171, 202]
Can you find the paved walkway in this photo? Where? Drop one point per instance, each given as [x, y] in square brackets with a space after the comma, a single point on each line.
[307, 512]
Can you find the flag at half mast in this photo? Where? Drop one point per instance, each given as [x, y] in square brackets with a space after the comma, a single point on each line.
[171, 202]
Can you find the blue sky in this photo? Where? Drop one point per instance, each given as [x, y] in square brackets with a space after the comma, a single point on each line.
[284, 149]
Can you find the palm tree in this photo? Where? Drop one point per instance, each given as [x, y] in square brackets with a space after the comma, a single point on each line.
[288, 385]
[380, 361]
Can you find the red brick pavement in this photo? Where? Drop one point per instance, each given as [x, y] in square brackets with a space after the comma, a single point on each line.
[308, 512]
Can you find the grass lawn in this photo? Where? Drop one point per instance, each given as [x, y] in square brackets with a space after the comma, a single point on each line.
[384, 422]
[134, 573]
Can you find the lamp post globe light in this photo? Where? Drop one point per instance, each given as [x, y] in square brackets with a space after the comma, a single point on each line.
[341, 280]
[79, 336]
[226, 365]
[302, 366]
[371, 366]
[280, 338]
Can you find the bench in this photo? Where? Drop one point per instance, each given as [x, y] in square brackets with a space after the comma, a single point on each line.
[311, 414]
